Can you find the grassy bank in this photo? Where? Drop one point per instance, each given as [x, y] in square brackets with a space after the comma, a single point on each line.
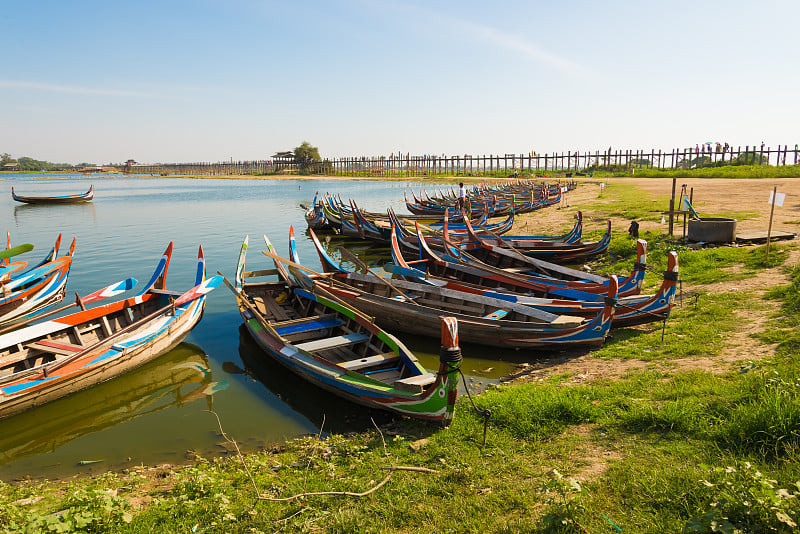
[691, 436]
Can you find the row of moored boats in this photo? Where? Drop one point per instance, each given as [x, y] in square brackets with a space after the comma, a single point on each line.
[457, 277]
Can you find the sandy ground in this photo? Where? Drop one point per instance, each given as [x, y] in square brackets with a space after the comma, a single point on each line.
[711, 197]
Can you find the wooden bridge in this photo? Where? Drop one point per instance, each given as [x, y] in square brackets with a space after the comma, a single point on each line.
[407, 165]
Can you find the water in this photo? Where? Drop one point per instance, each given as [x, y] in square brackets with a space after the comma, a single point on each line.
[160, 413]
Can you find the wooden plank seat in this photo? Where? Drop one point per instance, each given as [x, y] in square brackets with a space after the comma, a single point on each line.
[370, 361]
[56, 347]
[332, 342]
[415, 384]
[270, 308]
[319, 322]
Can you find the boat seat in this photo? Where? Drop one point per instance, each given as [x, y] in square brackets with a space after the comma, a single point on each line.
[370, 361]
[268, 306]
[308, 324]
[56, 347]
[414, 384]
[332, 342]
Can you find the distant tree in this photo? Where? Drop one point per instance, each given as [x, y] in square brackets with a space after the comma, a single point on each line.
[306, 155]
[749, 158]
[30, 164]
[6, 158]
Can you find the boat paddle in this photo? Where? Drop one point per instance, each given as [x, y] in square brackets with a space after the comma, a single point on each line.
[108, 291]
[11, 252]
[314, 273]
[197, 291]
[355, 259]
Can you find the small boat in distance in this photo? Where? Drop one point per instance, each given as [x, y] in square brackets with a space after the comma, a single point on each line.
[64, 199]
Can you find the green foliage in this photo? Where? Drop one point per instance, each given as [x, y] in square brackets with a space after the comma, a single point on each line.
[742, 499]
[564, 499]
[628, 201]
[790, 295]
[87, 510]
[306, 155]
[537, 411]
[743, 168]
[26, 164]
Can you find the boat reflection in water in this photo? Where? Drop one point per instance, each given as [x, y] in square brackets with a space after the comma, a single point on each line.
[324, 410]
[177, 378]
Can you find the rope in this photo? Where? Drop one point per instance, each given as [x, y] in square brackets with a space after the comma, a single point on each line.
[453, 359]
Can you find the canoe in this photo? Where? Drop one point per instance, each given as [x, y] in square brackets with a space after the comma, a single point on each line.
[337, 348]
[64, 199]
[484, 274]
[415, 309]
[51, 359]
[631, 310]
[32, 291]
[530, 198]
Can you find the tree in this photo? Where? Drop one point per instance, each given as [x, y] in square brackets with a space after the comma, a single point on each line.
[6, 158]
[306, 155]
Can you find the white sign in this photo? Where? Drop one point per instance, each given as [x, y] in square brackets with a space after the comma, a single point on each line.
[779, 198]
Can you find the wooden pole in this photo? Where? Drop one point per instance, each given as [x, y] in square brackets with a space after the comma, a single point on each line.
[769, 228]
[672, 207]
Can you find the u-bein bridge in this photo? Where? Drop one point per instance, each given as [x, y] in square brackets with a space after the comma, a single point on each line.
[407, 165]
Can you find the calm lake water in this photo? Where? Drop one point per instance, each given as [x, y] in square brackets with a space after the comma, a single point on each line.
[160, 412]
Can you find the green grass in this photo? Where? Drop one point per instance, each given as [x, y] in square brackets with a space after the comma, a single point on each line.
[726, 171]
[628, 201]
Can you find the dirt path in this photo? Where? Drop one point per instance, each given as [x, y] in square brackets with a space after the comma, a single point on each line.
[710, 196]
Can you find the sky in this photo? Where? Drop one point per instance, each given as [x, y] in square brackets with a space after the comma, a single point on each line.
[172, 81]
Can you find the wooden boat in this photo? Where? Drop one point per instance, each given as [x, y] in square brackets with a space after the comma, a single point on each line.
[631, 310]
[483, 274]
[335, 347]
[64, 199]
[413, 308]
[481, 252]
[523, 200]
[48, 360]
[31, 292]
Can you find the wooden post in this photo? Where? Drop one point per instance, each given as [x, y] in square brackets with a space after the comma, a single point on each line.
[769, 228]
[672, 207]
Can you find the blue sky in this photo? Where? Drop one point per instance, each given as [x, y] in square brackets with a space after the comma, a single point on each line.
[203, 80]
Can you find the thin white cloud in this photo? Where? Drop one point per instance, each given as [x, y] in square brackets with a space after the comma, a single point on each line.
[12, 84]
[500, 39]
[518, 43]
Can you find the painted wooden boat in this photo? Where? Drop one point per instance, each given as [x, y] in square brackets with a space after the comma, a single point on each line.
[631, 310]
[335, 347]
[63, 199]
[480, 273]
[480, 251]
[482, 320]
[34, 290]
[51, 359]
[520, 201]
[573, 236]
